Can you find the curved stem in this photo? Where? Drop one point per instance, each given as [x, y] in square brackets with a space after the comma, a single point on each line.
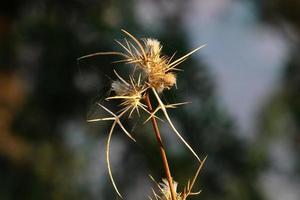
[108, 159]
[161, 148]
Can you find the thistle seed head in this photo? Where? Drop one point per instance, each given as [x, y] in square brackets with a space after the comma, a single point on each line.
[130, 93]
[165, 190]
[155, 66]
[147, 55]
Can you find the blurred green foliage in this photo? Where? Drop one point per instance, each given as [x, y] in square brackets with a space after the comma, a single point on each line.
[283, 109]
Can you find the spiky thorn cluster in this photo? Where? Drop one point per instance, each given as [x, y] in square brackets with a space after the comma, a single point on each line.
[164, 190]
[156, 73]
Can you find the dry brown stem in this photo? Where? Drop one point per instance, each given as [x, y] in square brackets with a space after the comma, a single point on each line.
[161, 148]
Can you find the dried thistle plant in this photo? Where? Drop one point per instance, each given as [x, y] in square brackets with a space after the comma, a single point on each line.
[152, 72]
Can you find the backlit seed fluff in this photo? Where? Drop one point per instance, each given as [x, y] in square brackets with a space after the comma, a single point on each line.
[163, 81]
[165, 190]
[153, 47]
[119, 88]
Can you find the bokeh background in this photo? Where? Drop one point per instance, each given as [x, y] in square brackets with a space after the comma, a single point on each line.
[244, 86]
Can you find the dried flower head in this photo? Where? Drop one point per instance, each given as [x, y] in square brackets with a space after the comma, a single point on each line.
[156, 67]
[130, 93]
[164, 188]
[147, 56]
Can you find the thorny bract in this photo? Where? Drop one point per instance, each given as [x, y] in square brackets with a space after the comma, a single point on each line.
[164, 190]
[151, 72]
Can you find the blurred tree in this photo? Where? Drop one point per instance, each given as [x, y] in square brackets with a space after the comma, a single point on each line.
[284, 107]
[280, 122]
[41, 47]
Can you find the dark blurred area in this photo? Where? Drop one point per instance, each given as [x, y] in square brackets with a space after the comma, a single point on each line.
[49, 151]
